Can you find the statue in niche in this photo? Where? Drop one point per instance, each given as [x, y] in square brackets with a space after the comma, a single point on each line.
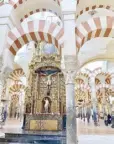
[46, 105]
[28, 108]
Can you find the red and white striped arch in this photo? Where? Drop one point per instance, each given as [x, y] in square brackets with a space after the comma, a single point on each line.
[97, 81]
[21, 2]
[24, 8]
[16, 74]
[93, 7]
[83, 87]
[84, 75]
[94, 27]
[79, 81]
[36, 11]
[11, 2]
[82, 92]
[16, 88]
[106, 87]
[35, 31]
[98, 72]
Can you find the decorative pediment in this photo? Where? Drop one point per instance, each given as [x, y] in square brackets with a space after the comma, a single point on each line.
[45, 61]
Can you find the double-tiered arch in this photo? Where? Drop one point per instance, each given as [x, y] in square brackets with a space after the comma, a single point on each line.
[24, 8]
[35, 31]
[84, 6]
[93, 28]
[16, 88]
[16, 74]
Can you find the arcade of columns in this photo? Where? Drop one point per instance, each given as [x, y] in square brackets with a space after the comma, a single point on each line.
[97, 95]
[20, 32]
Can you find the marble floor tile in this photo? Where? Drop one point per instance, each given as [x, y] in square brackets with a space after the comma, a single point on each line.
[87, 133]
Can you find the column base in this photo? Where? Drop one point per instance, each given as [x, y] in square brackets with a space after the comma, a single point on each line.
[112, 126]
[112, 121]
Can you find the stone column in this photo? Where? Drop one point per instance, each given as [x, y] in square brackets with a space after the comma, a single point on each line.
[70, 65]
[112, 114]
[5, 91]
[69, 13]
[1, 83]
[103, 95]
[103, 100]
[112, 109]
[70, 73]
[94, 99]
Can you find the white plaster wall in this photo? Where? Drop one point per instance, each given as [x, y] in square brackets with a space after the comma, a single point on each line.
[3, 34]
[5, 10]
[105, 66]
[95, 48]
[68, 5]
[8, 60]
[5, 25]
[110, 66]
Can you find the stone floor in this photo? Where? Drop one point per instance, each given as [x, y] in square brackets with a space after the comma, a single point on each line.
[96, 139]
[90, 129]
[87, 133]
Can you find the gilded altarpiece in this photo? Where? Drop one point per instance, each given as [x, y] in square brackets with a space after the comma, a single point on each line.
[45, 84]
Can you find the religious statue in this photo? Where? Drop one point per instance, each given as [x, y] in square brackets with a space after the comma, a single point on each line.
[28, 108]
[46, 105]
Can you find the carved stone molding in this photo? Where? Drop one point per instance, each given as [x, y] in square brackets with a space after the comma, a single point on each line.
[70, 76]
[45, 60]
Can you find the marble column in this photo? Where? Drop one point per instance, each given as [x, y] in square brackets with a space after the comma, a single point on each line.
[103, 100]
[112, 114]
[69, 53]
[1, 83]
[94, 99]
[112, 109]
[5, 90]
[70, 73]
[69, 19]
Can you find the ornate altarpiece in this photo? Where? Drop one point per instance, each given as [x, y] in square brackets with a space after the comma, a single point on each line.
[42, 67]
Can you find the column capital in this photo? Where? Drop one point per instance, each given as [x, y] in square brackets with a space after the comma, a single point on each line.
[69, 76]
[71, 67]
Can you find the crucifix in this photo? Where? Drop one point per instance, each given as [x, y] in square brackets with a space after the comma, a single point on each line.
[49, 83]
